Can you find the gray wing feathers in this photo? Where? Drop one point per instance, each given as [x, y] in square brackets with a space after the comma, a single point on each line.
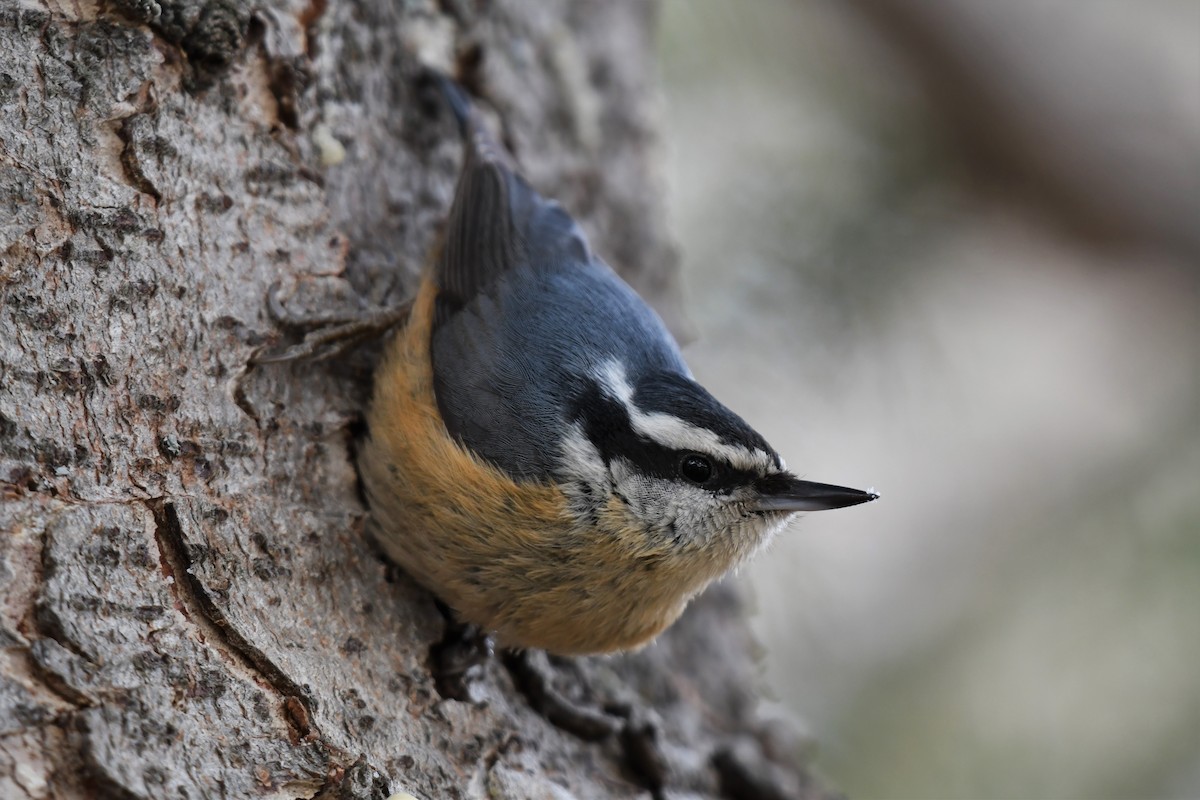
[498, 222]
[479, 242]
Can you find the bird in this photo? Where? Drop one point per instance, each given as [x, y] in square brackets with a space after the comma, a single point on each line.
[538, 454]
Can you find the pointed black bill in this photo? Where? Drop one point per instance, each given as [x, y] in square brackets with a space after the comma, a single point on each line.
[789, 493]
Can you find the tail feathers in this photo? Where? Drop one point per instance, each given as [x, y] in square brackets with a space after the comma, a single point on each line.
[456, 98]
[481, 148]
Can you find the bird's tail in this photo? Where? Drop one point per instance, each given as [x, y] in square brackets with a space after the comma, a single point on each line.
[456, 98]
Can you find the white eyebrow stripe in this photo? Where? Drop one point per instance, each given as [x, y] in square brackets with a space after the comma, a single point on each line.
[677, 434]
[674, 433]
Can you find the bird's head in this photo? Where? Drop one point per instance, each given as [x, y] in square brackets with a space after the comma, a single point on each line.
[693, 474]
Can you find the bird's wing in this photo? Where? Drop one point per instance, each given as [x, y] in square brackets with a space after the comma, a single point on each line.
[497, 223]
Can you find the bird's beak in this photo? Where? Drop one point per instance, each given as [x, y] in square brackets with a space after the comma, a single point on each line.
[787, 493]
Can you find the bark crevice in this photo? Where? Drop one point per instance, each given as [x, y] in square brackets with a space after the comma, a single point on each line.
[199, 607]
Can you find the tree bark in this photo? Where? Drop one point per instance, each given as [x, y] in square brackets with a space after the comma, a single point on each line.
[188, 605]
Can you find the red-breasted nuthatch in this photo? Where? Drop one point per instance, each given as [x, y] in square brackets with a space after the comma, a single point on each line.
[539, 455]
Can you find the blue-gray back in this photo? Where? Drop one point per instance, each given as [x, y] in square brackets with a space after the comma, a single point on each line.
[509, 365]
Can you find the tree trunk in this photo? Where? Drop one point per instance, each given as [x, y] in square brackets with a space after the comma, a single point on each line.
[188, 605]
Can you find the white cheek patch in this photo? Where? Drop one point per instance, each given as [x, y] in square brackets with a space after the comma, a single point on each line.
[663, 502]
[676, 434]
[695, 519]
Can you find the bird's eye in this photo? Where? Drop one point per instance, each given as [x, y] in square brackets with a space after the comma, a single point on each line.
[695, 468]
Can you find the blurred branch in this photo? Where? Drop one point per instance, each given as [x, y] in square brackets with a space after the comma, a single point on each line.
[1078, 108]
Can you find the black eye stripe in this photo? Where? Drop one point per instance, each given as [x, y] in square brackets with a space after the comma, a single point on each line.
[607, 425]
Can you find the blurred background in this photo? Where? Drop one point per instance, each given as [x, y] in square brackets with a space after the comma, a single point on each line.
[951, 250]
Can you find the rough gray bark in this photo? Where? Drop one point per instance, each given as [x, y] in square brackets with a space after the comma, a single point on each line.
[188, 606]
